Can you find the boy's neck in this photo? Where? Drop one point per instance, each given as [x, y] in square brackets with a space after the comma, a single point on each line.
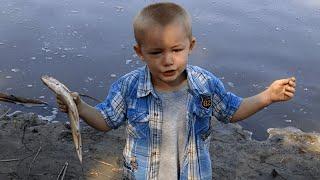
[169, 87]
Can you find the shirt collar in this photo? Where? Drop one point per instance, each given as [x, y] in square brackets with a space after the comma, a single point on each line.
[145, 86]
[196, 80]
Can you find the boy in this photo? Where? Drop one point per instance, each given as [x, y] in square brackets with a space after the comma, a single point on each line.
[168, 104]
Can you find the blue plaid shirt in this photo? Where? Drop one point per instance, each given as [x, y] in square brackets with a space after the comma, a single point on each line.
[132, 100]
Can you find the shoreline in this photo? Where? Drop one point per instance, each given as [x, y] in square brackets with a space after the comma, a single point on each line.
[38, 149]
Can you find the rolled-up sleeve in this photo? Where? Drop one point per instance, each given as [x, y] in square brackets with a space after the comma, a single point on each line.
[225, 104]
[113, 107]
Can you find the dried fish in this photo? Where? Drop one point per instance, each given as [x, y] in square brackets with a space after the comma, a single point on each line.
[60, 89]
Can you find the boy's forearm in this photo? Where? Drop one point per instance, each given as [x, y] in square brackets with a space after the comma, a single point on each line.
[251, 105]
[92, 117]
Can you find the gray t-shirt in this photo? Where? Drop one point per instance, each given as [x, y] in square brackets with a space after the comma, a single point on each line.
[173, 132]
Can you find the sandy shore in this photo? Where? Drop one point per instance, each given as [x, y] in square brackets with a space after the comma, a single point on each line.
[35, 149]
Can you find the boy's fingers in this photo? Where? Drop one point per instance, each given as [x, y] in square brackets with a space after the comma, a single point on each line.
[59, 101]
[290, 89]
[292, 83]
[288, 80]
[63, 108]
[289, 94]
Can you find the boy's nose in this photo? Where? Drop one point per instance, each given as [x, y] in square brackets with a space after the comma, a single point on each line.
[168, 59]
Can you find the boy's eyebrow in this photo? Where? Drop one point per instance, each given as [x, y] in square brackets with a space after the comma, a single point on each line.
[154, 49]
[177, 45]
[157, 49]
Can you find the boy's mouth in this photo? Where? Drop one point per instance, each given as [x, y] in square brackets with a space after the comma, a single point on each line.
[169, 73]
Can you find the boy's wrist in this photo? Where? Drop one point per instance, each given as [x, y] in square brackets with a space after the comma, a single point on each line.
[80, 106]
[266, 98]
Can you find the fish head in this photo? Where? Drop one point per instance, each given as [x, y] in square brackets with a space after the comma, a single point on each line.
[53, 83]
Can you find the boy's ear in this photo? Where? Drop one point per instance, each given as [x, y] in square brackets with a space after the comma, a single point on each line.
[192, 44]
[138, 51]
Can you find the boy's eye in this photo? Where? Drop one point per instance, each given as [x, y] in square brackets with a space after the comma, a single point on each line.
[155, 53]
[177, 50]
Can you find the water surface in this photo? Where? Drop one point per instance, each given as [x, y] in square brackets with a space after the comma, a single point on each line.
[88, 44]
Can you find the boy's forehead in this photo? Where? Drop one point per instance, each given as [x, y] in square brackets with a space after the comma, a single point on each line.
[174, 33]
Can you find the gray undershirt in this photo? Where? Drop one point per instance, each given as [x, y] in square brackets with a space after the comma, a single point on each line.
[173, 132]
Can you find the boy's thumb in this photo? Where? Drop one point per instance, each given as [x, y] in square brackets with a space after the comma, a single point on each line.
[284, 81]
[75, 95]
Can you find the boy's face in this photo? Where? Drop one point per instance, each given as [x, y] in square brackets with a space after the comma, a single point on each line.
[165, 50]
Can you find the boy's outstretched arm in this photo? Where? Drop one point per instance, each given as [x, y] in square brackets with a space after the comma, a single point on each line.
[86, 112]
[279, 90]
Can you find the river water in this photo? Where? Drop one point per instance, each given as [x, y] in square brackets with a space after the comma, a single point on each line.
[88, 44]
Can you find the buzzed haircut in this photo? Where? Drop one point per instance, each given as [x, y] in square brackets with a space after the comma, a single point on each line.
[163, 13]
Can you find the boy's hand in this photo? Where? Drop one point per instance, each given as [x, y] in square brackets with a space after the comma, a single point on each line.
[62, 105]
[281, 90]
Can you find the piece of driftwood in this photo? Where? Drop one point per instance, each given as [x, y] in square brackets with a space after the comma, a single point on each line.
[16, 99]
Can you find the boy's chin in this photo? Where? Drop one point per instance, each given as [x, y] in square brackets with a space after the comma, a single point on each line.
[172, 80]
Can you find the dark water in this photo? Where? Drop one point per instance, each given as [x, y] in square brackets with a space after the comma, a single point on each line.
[88, 44]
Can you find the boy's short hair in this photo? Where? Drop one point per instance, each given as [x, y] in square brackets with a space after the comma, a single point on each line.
[162, 14]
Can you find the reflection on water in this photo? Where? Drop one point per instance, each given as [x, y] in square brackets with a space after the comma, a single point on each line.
[88, 44]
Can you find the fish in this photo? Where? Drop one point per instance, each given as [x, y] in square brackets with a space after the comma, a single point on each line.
[60, 89]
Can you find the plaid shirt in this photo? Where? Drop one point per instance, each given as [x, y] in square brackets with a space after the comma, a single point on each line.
[132, 100]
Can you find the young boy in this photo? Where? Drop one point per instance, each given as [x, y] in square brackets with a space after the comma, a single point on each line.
[168, 105]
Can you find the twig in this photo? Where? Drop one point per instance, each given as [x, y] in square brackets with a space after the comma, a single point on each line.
[33, 160]
[5, 113]
[102, 162]
[15, 99]
[84, 95]
[9, 160]
[63, 171]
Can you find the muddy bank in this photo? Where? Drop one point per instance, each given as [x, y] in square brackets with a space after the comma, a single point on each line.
[35, 149]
